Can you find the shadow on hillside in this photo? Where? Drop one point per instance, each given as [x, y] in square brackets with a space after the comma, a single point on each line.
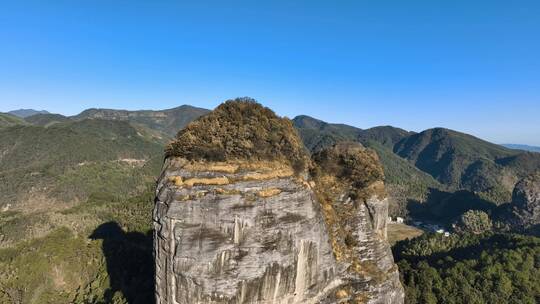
[446, 206]
[130, 264]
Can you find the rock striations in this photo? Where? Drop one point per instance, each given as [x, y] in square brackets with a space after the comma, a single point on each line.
[243, 215]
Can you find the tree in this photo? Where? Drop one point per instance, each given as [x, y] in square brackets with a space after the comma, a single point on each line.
[474, 221]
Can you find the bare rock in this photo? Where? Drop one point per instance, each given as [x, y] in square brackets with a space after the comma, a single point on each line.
[257, 227]
[526, 202]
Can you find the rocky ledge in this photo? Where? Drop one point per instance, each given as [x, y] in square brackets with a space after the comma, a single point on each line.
[243, 215]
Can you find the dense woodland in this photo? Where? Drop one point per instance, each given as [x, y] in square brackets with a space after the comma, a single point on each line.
[470, 268]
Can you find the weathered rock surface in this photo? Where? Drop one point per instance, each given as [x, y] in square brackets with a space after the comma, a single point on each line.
[261, 230]
[526, 202]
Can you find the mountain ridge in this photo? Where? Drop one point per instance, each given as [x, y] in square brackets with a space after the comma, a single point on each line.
[522, 147]
[23, 113]
[436, 158]
[167, 121]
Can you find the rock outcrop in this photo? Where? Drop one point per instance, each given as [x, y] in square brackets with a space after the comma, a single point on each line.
[243, 215]
[526, 203]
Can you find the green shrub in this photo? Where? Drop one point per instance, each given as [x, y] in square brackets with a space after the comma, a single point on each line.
[474, 221]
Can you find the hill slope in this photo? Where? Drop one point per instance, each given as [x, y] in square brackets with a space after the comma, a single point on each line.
[8, 120]
[46, 119]
[66, 162]
[76, 200]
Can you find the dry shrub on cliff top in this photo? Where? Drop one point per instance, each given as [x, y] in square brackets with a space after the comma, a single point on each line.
[240, 129]
[353, 165]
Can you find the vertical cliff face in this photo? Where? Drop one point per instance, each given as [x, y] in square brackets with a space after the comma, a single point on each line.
[349, 187]
[526, 203]
[243, 215]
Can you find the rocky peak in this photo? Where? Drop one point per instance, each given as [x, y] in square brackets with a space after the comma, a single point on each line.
[526, 202]
[240, 129]
[239, 218]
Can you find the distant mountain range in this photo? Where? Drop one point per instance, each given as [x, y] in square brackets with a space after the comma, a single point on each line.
[432, 165]
[522, 147]
[53, 159]
[23, 113]
[63, 178]
[415, 164]
[167, 122]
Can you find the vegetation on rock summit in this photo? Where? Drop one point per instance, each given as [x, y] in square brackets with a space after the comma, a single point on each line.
[240, 129]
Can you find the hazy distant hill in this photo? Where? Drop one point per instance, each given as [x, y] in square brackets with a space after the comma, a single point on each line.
[23, 113]
[167, 121]
[8, 120]
[522, 147]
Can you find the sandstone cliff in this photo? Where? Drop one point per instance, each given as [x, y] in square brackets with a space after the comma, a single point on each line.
[243, 215]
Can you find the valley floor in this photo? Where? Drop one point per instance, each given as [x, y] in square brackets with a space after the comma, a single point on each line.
[398, 232]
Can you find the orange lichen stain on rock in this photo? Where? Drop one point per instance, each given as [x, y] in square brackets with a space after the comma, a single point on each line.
[269, 192]
[342, 293]
[176, 180]
[224, 167]
[269, 175]
[190, 182]
[206, 181]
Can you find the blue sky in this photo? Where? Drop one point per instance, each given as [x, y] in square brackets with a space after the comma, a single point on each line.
[472, 66]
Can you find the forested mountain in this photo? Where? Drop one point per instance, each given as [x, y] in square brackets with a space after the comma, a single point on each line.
[64, 179]
[433, 164]
[462, 161]
[387, 136]
[75, 205]
[46, 119]
[66, 162]
[404, 181]
[317, 134]
[23, 113]
[166, 121]
[414, 163]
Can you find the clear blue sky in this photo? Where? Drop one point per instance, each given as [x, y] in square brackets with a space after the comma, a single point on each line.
[472, 66]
